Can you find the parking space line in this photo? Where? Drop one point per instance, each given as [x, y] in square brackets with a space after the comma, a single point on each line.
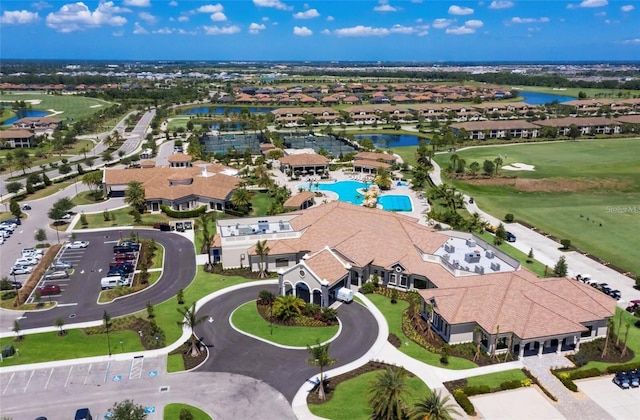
[49, 379]
[106, 374]
[67, 304]
[29, 381]
[8, 383]
[88, 373]
[68, 377]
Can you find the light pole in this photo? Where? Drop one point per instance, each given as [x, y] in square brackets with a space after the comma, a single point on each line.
[122, 345]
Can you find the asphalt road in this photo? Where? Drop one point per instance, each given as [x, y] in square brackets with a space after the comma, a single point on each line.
[179, 271]
[283, 369]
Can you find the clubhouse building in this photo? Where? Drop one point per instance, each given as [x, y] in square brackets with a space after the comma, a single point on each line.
[468, 287]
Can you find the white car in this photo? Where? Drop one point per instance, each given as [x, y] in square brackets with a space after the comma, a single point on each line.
[78, 244]
[20, 269]
[26, 261]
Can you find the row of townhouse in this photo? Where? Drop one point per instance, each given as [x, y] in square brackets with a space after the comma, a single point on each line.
[23, 132]
[480, 130]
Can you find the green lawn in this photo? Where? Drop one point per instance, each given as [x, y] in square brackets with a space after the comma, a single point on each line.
[393, 315]
[598, 211]
[46, 347]
[493, 380]
[590, 92]
[247, 319]
[260, 203]
[350, 399]
[121, 217]
[71, 106]
[175, 363]
[172, 412]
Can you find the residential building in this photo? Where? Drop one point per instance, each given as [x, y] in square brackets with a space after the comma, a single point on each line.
[16, 138]
[586, 125]
[481, 130]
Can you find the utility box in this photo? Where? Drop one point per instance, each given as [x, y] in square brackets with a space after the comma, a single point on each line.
[344, 294]
[8, 350]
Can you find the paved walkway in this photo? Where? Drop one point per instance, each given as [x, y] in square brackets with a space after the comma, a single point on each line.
[572, 405]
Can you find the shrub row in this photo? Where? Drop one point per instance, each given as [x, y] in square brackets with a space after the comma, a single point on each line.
[623, 368]
[535, 380]
[516, 383]
[183, 214]
[587, 373]
[462, 399]
[462, 395]
[565, 378]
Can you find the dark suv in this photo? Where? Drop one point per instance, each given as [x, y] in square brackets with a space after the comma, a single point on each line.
[83, 414]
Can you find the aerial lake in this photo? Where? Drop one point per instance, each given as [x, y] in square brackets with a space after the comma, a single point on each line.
[537, 98]
[24, 114]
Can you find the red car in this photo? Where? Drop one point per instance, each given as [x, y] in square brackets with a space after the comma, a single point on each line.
[634, 305]
[126, 256]
[49, 289]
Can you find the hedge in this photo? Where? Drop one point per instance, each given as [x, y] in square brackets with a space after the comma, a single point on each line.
[623, 368]
[476, 390]
[587, 373]
[535, 380]
[183, 214]
[462, 399]
[565, 378]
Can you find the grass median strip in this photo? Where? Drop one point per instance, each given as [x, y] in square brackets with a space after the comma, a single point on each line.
[175, 410]
[246, 318]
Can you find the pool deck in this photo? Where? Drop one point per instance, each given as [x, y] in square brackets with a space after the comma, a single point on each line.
[419, 205]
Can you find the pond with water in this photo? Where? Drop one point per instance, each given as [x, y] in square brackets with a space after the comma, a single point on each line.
[221, 110]
[390, 140]
[537, 98]
[24, 114]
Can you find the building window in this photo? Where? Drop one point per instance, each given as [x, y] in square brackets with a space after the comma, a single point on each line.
[484, 340]
[502, 343]
[392, 279]
[419, 284]
[404, 281]
[282, 262]
[587, 333]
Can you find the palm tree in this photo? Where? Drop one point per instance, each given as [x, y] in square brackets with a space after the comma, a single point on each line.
[262, 250]
[287, 307]
[383, 179]
[605, 350]
[476, 223]
[454, 160]
[241, 199]
[388, 393]
[320, 357]
[477, 333]
[498, 162]
[134, 195]
[191, 320]
[434, 407]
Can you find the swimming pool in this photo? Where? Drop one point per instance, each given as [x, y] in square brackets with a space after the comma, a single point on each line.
[395, 202]
[352, 192]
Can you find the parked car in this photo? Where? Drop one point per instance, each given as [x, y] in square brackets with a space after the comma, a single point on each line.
[67, 264]
[122, 267]
[56, 275]
[9, 285]
[26, 261]
[633, 306]
[83, 414]
[26, 207]
[622, 380]
[511, 237]
[119, 249]
[31, 252]
[616, 294]
[49, 290]
[77, 244]
[20, 269]
[125, 256]
[131, 244]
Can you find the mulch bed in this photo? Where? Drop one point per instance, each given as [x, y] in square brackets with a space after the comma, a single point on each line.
[331, 383]
[592, 350]
[190, 362]
[394, 340]
[299, 321]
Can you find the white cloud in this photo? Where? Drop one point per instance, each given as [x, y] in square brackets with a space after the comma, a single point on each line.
[460, 30]
[302, 31]
[400, 29]
[255, 28]
[501, 4]
[164, 31]
[423, 32]
[326, 32]
[474, 23]
[18, 17]
[183, 19]
[275, 4]
[593, 3]
[361, 30]
[39, 5]
[635, 41]
[517, 19]
[137, 3]
[218, 17]
[148, 17]
[441, 23]
[459, 10]
[225, 30]
[210, 8]
[77, 17]
[139, 30]
[117, 33]
[330, 18]
[384, 6]
[173, 3]
[307, 14]
[627, 8]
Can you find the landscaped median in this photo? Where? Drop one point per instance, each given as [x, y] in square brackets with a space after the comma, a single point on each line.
[247, 319]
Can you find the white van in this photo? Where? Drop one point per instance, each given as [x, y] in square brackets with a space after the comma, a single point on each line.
[344, 294]
[111, 282]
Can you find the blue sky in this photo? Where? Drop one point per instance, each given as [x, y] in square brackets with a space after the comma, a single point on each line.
[340, 30]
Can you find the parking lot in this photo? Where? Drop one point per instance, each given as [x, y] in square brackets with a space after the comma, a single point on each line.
[620, 403]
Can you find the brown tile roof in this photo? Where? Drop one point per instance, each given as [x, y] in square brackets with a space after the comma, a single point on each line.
[156, 181]
[580, 122]
[365, 163]
[179, 157]
[385, 157]
[495, 125]
[629, 119]
[304, 159]
[299, 199]
[327, 265]
[15, 134]
[521, 303]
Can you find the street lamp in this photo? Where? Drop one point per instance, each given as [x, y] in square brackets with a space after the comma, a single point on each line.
[121, 345]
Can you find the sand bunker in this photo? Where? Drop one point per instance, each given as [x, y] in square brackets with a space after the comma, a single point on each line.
[95, 106]
[517, 166]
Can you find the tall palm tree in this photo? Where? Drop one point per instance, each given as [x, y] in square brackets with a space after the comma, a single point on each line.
[241, 199]
[262, 250]
[498, 161]
[454, 160]
[320, 357]
[206, 234]
[388, 393]
[134, 195]
[190, 320]
[434, 407]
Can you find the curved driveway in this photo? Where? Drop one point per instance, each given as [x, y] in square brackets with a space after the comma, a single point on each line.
[284, 369]
[179, 271]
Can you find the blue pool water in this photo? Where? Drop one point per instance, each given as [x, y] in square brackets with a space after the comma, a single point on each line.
[390, 140]
[535, 98]
[395, 202]
[24, 114]
[351, 192]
